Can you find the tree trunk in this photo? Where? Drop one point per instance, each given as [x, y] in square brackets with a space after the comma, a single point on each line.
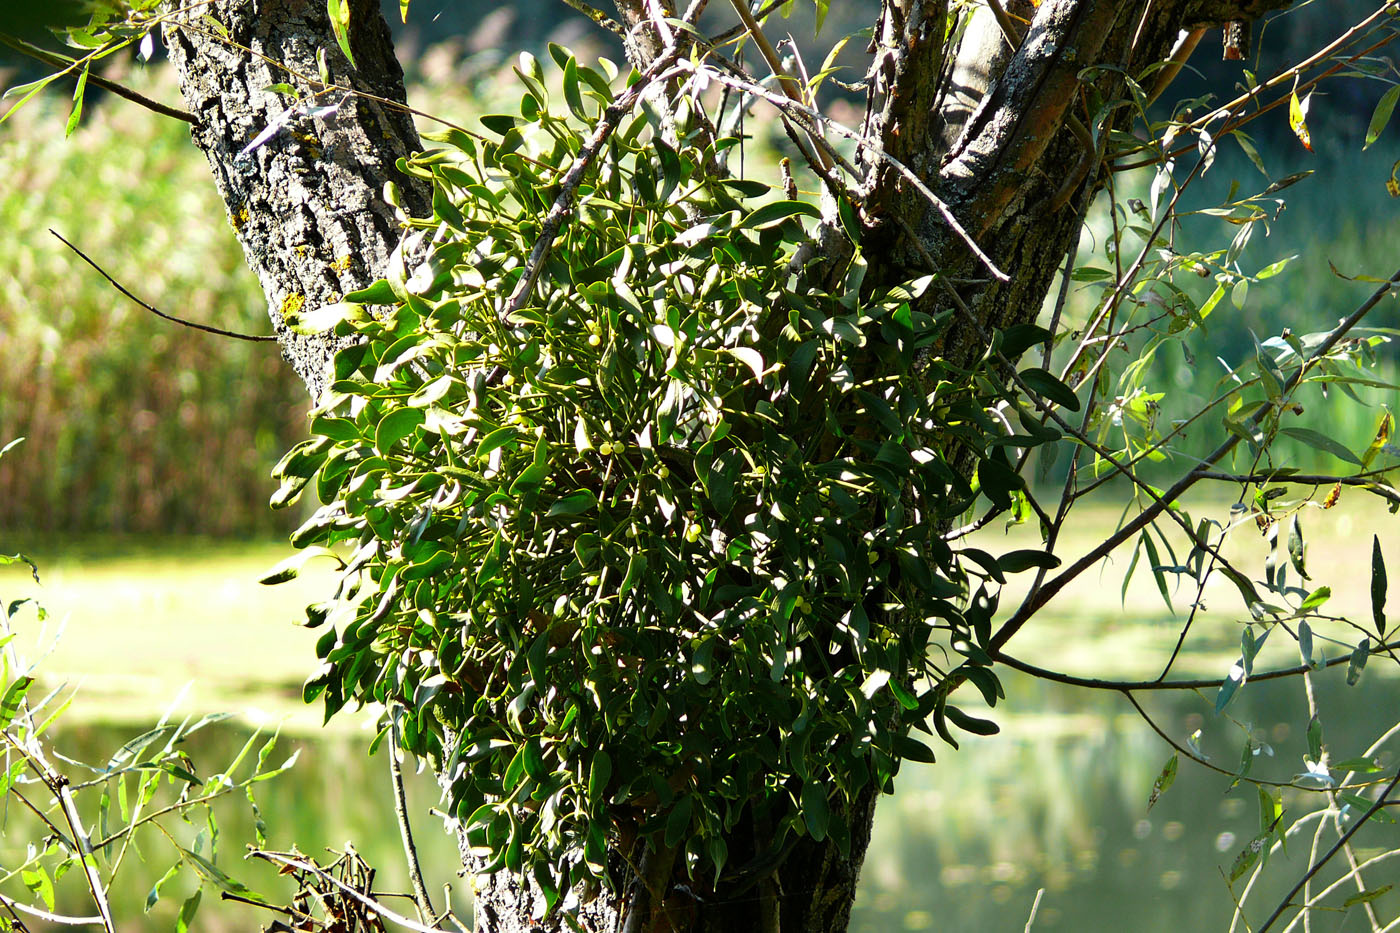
[307, 201]
[1000, 134]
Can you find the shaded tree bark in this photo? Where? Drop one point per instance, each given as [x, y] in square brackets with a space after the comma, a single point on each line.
[997, 130]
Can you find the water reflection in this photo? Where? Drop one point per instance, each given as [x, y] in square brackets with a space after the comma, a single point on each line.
[1058, 801]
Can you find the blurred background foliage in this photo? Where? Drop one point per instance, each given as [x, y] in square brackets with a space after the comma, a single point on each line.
[136, 426]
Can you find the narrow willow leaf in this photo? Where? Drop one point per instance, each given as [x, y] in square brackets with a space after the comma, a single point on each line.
[1298, 118]
[1320, 441]
[1378, 586]
[1358, 661]
[1297, 548]
[1370, 894]
[1163, 782]
[14, 695]
[1381, 115]
[1248, 856]
[339, 13]
[77, 113]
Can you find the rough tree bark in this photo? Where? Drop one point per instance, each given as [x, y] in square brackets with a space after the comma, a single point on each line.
[997, 132]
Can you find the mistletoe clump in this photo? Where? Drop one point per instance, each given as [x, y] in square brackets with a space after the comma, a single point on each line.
[634, 531]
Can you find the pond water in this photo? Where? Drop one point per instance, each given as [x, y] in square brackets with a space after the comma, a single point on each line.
[1058, 801]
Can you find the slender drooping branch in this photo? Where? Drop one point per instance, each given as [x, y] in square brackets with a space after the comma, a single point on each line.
[1330, 853]
[1196, 683]
[253, 338]
[63, 61]
[1149, 514]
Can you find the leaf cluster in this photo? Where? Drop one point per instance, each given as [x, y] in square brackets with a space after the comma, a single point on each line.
[660, 547]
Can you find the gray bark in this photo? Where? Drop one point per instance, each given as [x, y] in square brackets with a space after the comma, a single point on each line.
[988, 131]
[308, 203]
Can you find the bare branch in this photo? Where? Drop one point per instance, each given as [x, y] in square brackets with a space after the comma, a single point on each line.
[254, 338]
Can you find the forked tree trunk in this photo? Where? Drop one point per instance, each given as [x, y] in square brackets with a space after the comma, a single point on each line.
[997, 134]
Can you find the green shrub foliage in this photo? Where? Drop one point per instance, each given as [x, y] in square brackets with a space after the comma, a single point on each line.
[662, 545]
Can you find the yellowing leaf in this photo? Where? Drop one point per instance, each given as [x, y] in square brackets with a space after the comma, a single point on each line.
[1298, 119]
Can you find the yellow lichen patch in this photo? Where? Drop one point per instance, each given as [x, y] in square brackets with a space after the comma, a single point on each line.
[292, 304]
[238, 218]
[302, 251]
[342, 263]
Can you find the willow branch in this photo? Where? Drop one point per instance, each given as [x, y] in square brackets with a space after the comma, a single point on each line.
[1031, 606]
[253, 338]
[1123, 686]
[1328, 856]
[62, 61]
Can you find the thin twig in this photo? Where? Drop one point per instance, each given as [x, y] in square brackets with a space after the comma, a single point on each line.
[598, 16]
[783, 103]
[568, 185]
[1327, 857]
[12, 904]
[787, 82]
[410, 852]
[121, 90]
[1199, 759]
[278, 858]
[1095, 683]
[58, 785]
[156, 311]
[1152, 511]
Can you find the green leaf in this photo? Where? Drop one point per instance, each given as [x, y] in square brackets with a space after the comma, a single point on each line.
[1358, 662]
[1027, 559]
[339, 13]
[154, 894]
[1370, 894]
[187, 912]
[1297, 549]
[1305, 642]
[77, 113]
[770, 215]
[575, 503]
[14, 695]
[1381, 115]
[1019, 338]
[1315, 738]
[816, 810]
[377, 293]
[1229, 687]
[289, 568]
[1320, 441]
[911, 749]
[1045, 384]
[678, 821]
[1163, 782]
[325, 317]
[599, 773]
[1249, 855]
[971, 723]
[37, 880]
[1378, 586]
[1314, 599]
[396, 426]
